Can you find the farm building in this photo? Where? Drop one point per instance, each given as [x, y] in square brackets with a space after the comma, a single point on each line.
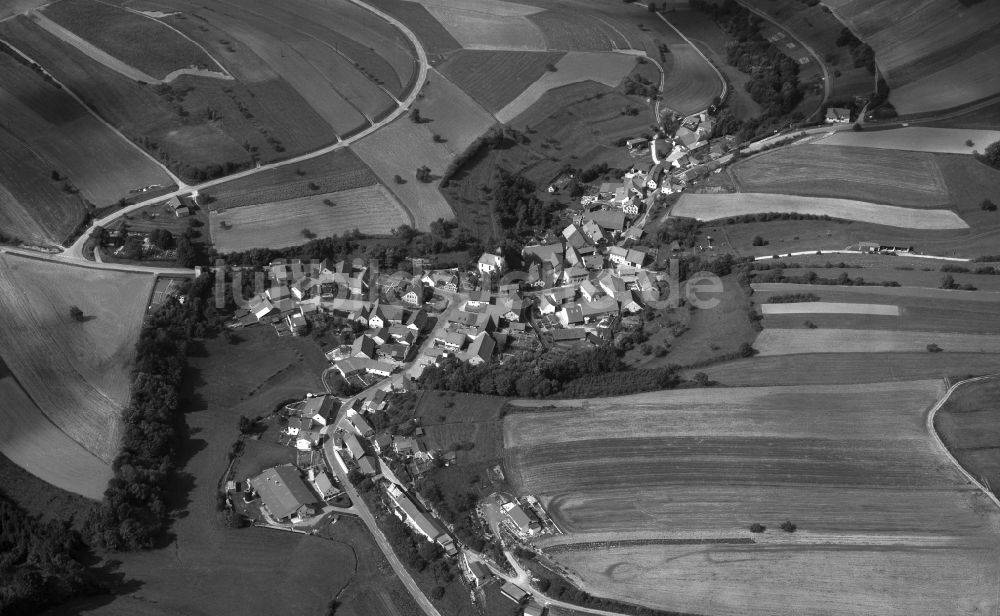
[353, 446]
[356, 365]
[382, 443]
[534, 609]
[323, 485]
[368, 466]
[422, 524]
[318, 408]
[307, 439]
[479, 574]
[283, 493]
[490, 264]
[525, 524]
[362, 427]
[569, 334]
[363, 346]
[513, 592]
[481, 349]
[838, 115]
[298, 424]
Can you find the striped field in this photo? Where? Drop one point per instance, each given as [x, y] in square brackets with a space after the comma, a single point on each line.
[794, 341]
[830, 308]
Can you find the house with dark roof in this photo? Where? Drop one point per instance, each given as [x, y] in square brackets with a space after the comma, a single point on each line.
[362, 427]
[353, 445]
[283, 493]
[363, 346]
[368, 466]
[481, 349]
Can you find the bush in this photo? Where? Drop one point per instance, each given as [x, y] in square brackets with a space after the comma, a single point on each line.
[306, 233]
[424, 174]
[933, 348]
[397, 179]
[988, 206]
[969, 143]
[746, 350]
[788, 527]
[759, 241]
[757, 527]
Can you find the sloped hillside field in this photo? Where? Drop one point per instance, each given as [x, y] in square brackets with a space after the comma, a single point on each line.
[885, 523]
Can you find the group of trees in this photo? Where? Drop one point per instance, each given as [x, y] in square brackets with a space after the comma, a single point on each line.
[497, 138]
[861, 53]
[39, 564]
[991, 157]
[517, 209]
[134, 511]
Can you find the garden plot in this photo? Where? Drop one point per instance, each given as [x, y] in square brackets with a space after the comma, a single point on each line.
[606, 68]
[716, 206]
[372, 210]
[793, 341]
[830, 308]
[917, 138]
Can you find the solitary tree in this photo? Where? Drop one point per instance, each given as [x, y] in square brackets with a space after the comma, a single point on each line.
[788, 527]
[757, 527]
[76, 313]
[415, 116]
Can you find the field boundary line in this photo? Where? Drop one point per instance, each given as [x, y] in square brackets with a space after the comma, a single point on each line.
[937, 438]
[180, 185]
[75, 251]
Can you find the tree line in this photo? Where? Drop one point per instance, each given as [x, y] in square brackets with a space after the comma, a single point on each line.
[134, 511]
[40, 563]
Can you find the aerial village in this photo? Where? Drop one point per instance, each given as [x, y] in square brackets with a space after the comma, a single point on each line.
[581, 286]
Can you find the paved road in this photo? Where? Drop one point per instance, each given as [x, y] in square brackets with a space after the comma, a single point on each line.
[365, 514]
[116, 267]
[76, 250]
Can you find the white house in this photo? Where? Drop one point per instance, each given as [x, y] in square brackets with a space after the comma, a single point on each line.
[490, 263]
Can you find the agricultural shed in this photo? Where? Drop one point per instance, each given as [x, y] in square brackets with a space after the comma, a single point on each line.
[282, 491]
[513, 592]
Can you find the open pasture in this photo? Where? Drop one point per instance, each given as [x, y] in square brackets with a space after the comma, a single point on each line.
[70, 140]
[76, 372]
[371, 210]
[33, 207]
[948, 44]
[894, 177]
[606, 68]
[336, 171]
[35, 444]
[716, 206]
[447, 111]
[967, 423]
[879, 294]
[399, 149]
[854, 469]
[917, 138]
[848, 368]
[494, 78]
[796, 341]
[135, 39]
[480, 24]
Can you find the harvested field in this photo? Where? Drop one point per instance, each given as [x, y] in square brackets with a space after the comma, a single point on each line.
[71, 141]
[918, 138]
[33, 207]
[794, 341]
[691, 82]
[451, 113]
[494, 78]
[893, 177]
[967, 423]
[716, 206]
[333, 172]
[38, 446]
[830, 308]
[944, 296]
[137, 40]
[434, 37]
[372, 210]
[488, 25]
[849, 368]
[76, 372]
[606, 68]
[873, 498]
[933, 54]
[575, 30]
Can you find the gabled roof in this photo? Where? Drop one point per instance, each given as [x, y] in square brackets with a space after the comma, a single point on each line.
[482, 347]
[363, 345]
[609, 219]
[282, 490]
[574, 313]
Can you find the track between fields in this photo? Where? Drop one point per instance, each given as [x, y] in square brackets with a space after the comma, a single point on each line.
[937, 438]
[74, 252]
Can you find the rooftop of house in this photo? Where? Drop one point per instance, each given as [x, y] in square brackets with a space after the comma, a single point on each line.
[282, 490]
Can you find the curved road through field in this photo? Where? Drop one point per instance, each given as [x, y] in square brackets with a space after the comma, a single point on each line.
[944, 449]
[75, 251]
